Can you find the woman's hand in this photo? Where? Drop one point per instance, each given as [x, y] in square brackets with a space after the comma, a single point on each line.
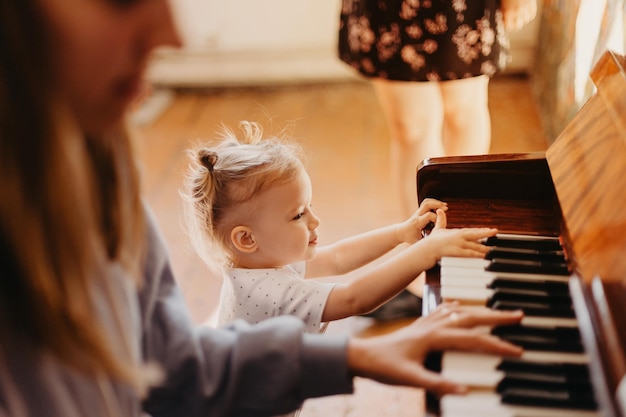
[517, 13]
[410, 231]
[398, 358]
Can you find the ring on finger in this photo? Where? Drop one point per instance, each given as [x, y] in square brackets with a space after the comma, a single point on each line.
[454, 317]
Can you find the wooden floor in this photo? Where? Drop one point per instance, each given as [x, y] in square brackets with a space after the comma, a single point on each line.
[346, 140]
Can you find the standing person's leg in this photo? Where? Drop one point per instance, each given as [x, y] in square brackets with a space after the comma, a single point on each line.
[467, 122]
[414, 114]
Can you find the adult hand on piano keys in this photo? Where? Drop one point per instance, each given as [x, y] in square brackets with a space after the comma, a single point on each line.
[397, 358]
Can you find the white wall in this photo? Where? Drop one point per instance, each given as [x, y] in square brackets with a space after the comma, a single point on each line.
[248, 42]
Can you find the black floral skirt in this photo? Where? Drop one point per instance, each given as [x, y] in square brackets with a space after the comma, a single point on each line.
[423, 40]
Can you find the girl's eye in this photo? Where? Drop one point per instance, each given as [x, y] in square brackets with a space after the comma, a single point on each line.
[123, 3]
[298, 216]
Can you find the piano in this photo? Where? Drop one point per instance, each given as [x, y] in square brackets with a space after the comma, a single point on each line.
[560, 256]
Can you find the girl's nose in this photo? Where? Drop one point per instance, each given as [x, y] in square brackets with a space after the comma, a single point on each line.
[314, 222]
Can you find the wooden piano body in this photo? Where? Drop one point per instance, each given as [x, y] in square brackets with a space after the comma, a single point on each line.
[576, 191]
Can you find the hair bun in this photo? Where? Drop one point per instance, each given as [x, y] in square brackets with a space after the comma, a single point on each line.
[208, 159]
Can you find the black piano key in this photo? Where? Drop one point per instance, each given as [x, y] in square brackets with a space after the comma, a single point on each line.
[536, 308]
[528, 267]
[549, 381]
[566, 333]
[543, 382]
[512, 294]
[577, 399]
[551, 287]
[526, 254]
[571, 370]
[538, 243]
[554, 339]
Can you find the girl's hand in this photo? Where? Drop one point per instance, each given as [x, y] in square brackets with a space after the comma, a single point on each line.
[459, 242]
[410, 231]
[517, 13]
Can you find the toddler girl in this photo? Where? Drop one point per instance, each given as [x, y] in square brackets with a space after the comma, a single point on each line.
[250, 201]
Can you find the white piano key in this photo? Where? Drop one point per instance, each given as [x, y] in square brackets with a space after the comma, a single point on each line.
[549, 321]
[535, 238]
[543, 321]
[449, 278]
[455, 358]
[478, 370]
[455, 261]
[452, 273]
[557, 357]
[487, 404]
[472, 295]
[471, 369]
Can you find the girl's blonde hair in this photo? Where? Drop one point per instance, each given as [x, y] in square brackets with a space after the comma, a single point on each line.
[223, 177]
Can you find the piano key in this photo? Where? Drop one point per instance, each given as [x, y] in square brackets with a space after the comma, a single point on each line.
[473, 295]
[520, 373]
[545, 380]
[486, 371]
[550, 321]
[457, 268]
[535, 308]
[458, 261]
[535, 321]
[539, 285]
[531, 305]
[488, 404]
[530, 238]
[528, 266]
[511, 292]
[484, 278]
[503, 294]
[552, 288]
[569, 369]
[529, 254]
[524, 242]
[563, 333]
[560, 339]
[561, 398]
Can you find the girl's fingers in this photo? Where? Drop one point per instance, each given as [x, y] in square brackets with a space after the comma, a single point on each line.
[430, 204]
[441, 222]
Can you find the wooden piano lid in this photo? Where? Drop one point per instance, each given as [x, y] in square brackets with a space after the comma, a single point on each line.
[588, 167]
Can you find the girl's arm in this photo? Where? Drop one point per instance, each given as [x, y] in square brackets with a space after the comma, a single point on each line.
[377, 285]
[349, 254]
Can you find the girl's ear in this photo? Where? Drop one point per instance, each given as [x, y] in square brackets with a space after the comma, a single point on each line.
[243, 239]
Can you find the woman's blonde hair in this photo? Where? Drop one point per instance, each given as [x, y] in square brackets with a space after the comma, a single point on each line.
[223, 177]
[70, 206]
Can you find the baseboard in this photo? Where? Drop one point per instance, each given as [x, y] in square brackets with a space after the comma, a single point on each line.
[185, 69]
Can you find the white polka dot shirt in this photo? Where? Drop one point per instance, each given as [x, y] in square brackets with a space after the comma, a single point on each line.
[258, 294]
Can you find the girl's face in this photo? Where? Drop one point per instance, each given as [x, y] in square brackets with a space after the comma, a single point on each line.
[283, 225]
[100, 51]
